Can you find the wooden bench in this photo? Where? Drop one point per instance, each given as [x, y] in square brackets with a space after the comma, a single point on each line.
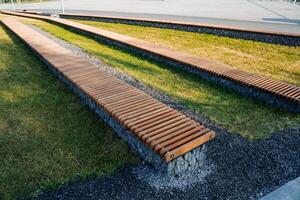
[271, 91]
[262, 35]
[169, 133]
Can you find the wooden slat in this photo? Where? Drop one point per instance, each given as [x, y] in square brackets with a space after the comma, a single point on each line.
[151, 121]
[223, 71]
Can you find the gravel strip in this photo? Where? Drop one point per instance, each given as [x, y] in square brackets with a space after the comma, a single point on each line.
[235, 168]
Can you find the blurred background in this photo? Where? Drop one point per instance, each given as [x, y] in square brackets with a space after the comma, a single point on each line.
[276, 11]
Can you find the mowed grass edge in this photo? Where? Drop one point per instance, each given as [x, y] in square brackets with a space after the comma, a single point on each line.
[47, 136]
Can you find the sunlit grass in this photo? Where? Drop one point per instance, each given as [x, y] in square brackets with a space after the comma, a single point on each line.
[276, 61]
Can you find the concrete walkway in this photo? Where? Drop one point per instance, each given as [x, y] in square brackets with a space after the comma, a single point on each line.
[269, 26]
[249, 10]
[290, 191]
[273, 15]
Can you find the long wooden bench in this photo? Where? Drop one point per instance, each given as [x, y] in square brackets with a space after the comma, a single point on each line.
[173, 22]
[262, 35]
[166, 131]
[272, 91]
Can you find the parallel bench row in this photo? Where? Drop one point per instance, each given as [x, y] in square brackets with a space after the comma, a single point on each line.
[286, 91]
[173, 22]
[261, 35]
[166, 131]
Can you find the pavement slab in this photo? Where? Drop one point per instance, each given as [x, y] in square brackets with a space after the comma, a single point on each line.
[276, 15]
[290, 191]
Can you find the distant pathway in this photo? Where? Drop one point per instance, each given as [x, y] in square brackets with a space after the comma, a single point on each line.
[283, 27]
[272, 15]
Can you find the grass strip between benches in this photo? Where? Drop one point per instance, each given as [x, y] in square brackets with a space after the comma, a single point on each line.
[242, 115]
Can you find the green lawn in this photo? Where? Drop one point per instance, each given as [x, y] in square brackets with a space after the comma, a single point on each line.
[242, 115]
[279, 62]
[47, 136]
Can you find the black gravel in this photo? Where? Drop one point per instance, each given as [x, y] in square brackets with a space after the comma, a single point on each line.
[241, 169]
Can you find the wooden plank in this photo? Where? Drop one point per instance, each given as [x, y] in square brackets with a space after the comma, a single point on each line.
[147, 118]
[218, 69]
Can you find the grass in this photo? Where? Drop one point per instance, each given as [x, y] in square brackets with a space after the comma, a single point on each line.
[276, 61]
[243, 115]
[47, 136]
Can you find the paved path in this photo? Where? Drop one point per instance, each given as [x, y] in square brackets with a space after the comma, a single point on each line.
[282, 27]
[273, 15]
[290, 191]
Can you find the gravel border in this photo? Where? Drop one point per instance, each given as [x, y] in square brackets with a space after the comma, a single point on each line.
[243, 170]
[238, 169]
